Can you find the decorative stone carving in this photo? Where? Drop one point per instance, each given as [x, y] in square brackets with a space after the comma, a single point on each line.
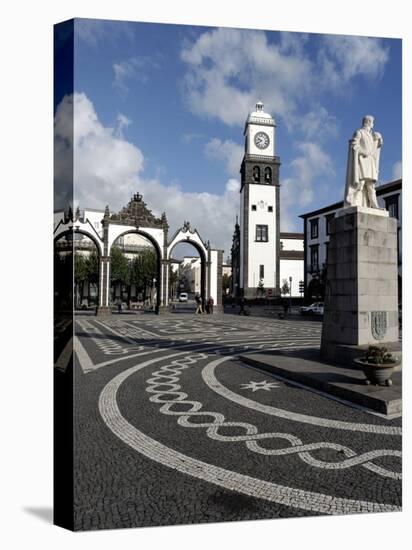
[379, 324]
[136, 213]
[363, 166]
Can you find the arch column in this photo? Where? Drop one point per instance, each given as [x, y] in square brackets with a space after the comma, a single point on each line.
[215, 278]
[104, 307]
[164, 286]
[104, 287]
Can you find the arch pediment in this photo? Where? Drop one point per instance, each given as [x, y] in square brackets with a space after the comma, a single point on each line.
[77, 224]
[137, 214]
[187, 234]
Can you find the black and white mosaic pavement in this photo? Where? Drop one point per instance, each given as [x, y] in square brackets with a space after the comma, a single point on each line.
[171, 428]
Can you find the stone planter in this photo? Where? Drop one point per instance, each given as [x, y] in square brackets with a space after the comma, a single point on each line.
[378, 373]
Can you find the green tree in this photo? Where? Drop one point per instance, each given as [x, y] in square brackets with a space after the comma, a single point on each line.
[225, 283]
[173, 280]
[285, 289]
[80, 268]
[143, 269]
[92, 267]
[80, 275]
[261, 288]
[119, 266]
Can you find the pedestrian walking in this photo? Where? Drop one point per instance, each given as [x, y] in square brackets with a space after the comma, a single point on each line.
[210, 304]
[198, 304]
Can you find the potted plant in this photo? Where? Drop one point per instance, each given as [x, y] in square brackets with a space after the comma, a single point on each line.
[378, 365]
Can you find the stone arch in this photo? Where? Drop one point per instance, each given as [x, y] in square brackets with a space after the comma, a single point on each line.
[154, 242]
[64, 229]
[211, 264]
[77, 226]
[195, 240]
[268, 174]
[81, 232]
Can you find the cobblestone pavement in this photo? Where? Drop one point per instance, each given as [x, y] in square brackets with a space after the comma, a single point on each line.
[172, 428]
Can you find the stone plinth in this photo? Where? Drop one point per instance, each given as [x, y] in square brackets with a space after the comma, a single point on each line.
[361, 302]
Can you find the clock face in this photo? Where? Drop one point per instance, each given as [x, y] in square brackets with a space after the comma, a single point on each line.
[262, 140]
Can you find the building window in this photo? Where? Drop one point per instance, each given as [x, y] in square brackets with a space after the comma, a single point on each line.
[314, 258]
[270, 208]
[254, 207]
[256, 174]
[97, 225]
[261, 272]
[268, 175]
[392, 206]
[314, 228]
[262, 233]
[329, 218]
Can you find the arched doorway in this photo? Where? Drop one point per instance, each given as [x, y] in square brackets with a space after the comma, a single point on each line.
[76, 270]
[187, 275]
[211, 262]
[135, 272]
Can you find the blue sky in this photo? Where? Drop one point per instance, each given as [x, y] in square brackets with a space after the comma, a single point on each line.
[161, 109]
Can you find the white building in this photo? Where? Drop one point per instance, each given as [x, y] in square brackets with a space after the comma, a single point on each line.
[317, 227]
[291, 261]
[190, 274]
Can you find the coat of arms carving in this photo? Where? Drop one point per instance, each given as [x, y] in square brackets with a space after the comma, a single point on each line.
[379, 324]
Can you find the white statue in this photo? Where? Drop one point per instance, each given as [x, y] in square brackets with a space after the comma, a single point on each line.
[363, 166]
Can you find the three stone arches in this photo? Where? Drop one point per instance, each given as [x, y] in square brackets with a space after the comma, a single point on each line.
[136, 218]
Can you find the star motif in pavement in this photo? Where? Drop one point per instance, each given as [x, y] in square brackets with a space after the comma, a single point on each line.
[255, 386]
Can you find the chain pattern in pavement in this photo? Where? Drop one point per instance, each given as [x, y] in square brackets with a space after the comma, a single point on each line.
[165, 387]
[228, 479]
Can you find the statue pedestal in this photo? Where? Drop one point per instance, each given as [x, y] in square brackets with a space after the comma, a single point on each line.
[361, 302]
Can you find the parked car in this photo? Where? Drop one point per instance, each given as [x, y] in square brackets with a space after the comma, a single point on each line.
[183, 297]
[314, 309]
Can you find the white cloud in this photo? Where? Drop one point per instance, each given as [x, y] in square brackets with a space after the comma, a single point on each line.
[319, 124]
[191, 137]
[135, 68]
[228, 151]
[397, 170]
[229, 69]
[94, 31]
[122, 122]
[213, 215]
[341, 58]
[308, 169]
[109, 170]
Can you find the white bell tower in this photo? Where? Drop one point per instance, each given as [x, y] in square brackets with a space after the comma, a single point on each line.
[259, 208]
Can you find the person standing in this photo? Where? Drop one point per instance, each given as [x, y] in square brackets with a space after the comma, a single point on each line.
[210, 304]
[198, 304]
